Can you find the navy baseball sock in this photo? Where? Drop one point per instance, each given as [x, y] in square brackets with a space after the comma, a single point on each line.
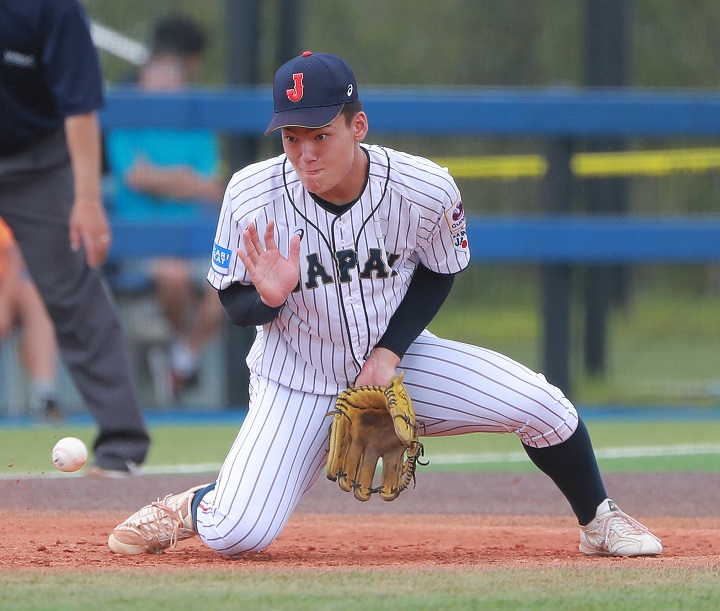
[196, 501]
[572, 466]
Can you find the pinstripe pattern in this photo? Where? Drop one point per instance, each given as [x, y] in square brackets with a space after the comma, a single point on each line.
[355, 270]
[458, 388]
[355, 267]
[281, 449]
[279, 453]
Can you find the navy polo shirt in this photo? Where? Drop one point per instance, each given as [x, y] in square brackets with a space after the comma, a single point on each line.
[49, 69]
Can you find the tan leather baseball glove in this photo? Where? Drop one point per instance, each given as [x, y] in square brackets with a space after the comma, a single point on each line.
[372, 422]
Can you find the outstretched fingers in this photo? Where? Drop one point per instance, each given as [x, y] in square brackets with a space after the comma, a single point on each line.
[270, 244]
[253, 247]
[249, 256]
[294, 251]
[274, 275]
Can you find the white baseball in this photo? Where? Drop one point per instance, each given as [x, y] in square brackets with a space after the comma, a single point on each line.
[69, 454]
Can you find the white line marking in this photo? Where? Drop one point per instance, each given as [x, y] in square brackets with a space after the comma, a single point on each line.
[435, 459]
[609, 453]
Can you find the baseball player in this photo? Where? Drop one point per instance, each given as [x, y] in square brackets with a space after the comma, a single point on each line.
[341, 253]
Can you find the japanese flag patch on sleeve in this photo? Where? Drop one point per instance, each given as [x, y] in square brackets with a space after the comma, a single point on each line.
[455, 217]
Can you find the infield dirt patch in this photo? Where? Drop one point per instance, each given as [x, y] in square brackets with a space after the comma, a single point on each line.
[449, 520]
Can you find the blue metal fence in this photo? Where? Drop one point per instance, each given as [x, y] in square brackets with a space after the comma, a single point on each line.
[434, 111]
[547, 113]
[557, 115]
[561, 239]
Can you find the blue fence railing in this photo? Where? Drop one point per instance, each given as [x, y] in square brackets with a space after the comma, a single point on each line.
[437, 111]
[557, 115]
[561, 112]
[561, 239]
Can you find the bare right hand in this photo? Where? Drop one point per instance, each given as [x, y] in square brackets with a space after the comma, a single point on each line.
[380, 366]
[273, 275]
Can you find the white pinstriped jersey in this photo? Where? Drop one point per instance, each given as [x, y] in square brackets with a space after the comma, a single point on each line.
[355, 267]
[355, 271]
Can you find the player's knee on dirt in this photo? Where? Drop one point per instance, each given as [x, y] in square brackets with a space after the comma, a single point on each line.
[245, 536]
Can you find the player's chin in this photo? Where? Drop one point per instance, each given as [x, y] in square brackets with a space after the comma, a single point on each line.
[314, 184]
[317, 179]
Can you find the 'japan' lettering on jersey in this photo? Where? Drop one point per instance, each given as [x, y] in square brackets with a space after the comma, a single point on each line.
[355, 267]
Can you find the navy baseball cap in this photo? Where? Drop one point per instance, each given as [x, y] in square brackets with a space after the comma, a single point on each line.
[310, 91]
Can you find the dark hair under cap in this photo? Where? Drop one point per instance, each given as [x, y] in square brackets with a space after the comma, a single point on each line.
[179, 35]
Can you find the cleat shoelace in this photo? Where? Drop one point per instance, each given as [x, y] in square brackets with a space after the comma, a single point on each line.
[622, 524]
[156, 524]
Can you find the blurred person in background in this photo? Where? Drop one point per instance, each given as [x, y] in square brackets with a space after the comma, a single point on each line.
[21, 307]
[50, 197]
[167, 176]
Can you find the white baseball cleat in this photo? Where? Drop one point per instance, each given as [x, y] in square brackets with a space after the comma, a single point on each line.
[157, 526]
[614, 533]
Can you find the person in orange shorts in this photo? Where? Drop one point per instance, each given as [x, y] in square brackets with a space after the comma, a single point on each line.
[21, 306]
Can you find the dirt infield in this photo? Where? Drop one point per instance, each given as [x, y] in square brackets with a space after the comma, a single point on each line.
[449, 520]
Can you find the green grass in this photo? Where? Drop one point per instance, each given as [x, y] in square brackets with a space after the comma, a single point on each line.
[602, 584]
[606, 586]
[663, 348]
[24, 450]
[651, 437]
[28, 449]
